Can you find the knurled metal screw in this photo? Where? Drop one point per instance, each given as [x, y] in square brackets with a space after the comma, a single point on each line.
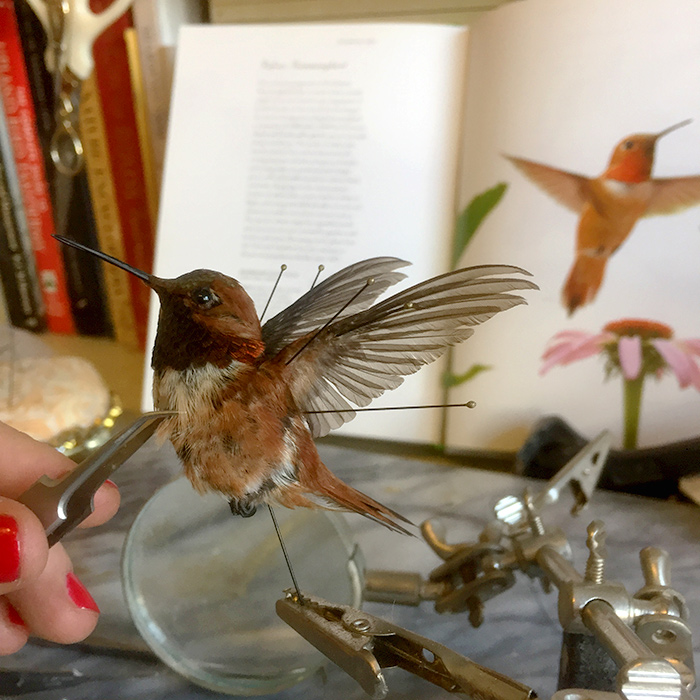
[533, 517]
[595, 566]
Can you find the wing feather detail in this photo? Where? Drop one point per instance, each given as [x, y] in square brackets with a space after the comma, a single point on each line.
[569, 189]
[359, 357]
[318, 306]
[673, 194]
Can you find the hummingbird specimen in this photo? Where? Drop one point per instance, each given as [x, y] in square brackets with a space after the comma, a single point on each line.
[251, 399]
[610, 205]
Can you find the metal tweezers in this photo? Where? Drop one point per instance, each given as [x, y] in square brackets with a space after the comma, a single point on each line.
[62, 504]
[362, 645]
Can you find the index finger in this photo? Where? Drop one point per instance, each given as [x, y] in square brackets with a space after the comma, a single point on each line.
[23, 460]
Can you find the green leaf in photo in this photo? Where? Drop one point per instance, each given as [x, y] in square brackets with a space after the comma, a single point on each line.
[470, 219]
[450, 380]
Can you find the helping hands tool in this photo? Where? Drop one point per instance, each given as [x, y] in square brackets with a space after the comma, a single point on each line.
[362, 644]
[646, 636]
[62, 504]
[473, 572]
[622, 646]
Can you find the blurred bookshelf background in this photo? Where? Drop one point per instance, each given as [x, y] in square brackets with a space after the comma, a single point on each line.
[76, 305]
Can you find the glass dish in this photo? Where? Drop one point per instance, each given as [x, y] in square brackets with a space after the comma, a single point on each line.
[201, 586]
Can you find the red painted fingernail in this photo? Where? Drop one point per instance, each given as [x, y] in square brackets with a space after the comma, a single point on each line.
[111, 483]
[9, 549]
[79, 594]
[14, 617]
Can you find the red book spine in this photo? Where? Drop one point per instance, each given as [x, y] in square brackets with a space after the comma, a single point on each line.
[114, 87]
[21, 122]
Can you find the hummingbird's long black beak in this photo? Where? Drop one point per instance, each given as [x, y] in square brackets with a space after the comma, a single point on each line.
[669, 129]
[148, 279]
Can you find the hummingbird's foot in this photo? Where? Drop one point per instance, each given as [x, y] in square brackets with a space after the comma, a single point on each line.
[243, 508]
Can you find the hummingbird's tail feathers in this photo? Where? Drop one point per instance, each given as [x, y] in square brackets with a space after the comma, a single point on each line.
[325, 490]
[358, 358]
[327, 298]
[583, 282]
[340, 496]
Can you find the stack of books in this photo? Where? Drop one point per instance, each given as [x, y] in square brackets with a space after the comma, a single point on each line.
[44, 286]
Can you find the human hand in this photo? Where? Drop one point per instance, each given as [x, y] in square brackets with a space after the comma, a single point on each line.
[39, 594]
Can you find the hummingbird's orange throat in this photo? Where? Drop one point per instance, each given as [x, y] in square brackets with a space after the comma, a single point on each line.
[633, 157]
[635, 167]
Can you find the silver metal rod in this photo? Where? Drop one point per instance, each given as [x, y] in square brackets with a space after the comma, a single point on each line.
[559, 570]
[621, 642]
[400, 587]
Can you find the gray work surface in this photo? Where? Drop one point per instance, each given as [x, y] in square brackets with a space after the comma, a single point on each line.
[520, 637]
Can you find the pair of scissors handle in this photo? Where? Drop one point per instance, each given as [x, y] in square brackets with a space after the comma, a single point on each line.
[75, 26]
[66, 147]
[71, 28]
[62, 504]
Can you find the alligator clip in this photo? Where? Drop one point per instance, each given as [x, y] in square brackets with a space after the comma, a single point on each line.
[362, 645]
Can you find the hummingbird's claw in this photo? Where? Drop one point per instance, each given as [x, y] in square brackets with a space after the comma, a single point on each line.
[243, 508]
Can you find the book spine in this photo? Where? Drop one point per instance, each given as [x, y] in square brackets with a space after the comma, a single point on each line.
[85, 272]
[34, 44]
[104, 203]
[17, 272]
[156, 75]
[29, 161]
[115, 94]
[141, 112]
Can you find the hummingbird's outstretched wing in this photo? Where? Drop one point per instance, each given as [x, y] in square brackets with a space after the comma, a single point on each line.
[671, 194]
[318, 306]
[569, 189]
[359, 357]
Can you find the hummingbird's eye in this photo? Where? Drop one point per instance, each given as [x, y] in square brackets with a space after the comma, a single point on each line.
[205, 298]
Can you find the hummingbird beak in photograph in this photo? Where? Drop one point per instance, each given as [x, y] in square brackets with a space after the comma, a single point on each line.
[669, 129]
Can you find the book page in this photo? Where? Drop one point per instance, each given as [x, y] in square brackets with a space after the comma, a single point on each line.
[309, 145]
[561, 83]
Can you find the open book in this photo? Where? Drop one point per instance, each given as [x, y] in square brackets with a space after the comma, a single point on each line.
[323, 144]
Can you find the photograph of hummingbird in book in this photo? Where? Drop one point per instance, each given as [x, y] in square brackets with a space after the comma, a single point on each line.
[610, 205]
[251, 398]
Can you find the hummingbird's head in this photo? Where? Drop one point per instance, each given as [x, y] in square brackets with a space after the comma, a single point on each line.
[212, 300]
[205, 316]
[633, 157]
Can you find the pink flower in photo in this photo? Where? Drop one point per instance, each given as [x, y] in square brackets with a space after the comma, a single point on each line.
[634, 349]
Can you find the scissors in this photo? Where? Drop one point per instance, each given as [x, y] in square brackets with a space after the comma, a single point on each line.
[71, 29]
[62, 504]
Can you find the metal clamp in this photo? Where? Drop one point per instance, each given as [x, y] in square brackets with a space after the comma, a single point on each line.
[474, 572]
[646, 634]
[362, 645]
